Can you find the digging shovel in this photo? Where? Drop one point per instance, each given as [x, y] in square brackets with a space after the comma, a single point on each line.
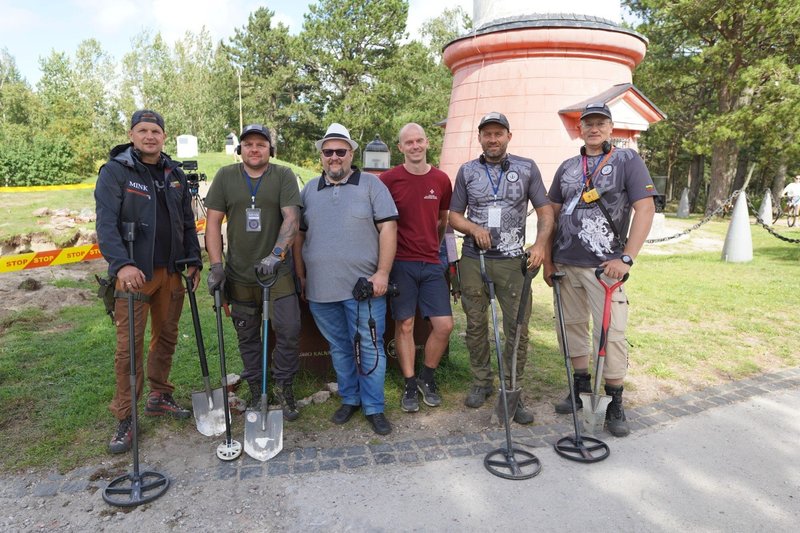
[209, 414]
[263, 429]
[512, 396]
[595, 404]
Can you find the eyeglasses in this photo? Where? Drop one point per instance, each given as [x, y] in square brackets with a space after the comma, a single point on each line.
[340, 152]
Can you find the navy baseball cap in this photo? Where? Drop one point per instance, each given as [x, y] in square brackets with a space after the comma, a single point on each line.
[597, 108]
[146, 115]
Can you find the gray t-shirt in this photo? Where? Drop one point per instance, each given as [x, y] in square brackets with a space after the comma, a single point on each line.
[498, 200]
[584, 237]
[341, 237]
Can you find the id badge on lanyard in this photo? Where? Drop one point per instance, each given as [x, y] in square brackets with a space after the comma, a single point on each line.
[253, 213]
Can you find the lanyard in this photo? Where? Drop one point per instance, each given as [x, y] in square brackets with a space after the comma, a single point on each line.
[253, 192]
[495, 188]
[587, 179]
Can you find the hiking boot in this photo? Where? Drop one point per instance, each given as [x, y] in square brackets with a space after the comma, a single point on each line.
[616, 423]
[284, 394]
[162, 403]
[430, 393]
[477, 396]
[255, 395]
[121, 441]
[581, 383]
[522, 415]
[409, 402]
[380, 425]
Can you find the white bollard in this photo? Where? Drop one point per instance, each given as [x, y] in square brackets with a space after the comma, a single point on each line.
[765, 211]
[738, 246]
[683, 205]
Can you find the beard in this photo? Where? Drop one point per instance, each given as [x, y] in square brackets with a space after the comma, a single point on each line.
[337, 175]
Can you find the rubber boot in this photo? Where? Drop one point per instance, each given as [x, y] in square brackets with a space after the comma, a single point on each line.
[255, 394]
[616, 423]
[581, 383]
[284, 394]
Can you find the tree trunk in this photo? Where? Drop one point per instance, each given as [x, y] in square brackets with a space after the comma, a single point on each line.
[723, 168]
[779, 181]
[696, 172]
[741, 173]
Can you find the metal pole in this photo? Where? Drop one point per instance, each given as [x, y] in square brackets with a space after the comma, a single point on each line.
[239, 76]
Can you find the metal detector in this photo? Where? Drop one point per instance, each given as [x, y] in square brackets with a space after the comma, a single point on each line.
[578, 448]
[230, 449]
[263, 430]
[594, 403]
[207, 404]
[134, 488]
[512, 396]
[502, 462]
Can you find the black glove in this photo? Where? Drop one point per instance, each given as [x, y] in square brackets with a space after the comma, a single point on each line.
[268, 266]
[216, 279]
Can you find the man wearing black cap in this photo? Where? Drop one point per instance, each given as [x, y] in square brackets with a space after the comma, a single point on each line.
[593, 194]
[496, 188]
[262, 203]
[141, 184]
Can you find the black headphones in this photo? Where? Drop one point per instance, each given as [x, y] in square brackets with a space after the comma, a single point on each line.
[504, 166]
[271, 149]
[606, 148]
[261, 130]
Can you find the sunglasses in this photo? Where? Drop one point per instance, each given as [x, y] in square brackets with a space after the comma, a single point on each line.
[340, 152]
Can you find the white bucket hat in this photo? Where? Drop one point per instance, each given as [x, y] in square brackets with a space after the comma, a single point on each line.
[337, 131]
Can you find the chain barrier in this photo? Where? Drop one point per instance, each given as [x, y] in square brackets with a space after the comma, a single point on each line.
[723, 206]
[768, 227]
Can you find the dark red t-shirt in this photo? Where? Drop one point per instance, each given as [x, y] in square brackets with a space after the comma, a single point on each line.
[419, 200]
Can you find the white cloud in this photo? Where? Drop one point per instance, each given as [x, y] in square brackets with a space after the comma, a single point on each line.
[109, 17]
[16, 19]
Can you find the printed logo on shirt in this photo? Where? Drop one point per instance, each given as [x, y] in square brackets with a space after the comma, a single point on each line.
[512, 176]
[606, 170]
[431, 195]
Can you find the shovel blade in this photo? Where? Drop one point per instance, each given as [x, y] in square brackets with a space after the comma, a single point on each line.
[594, 411]
[512, 400]
[209, 413]
[263, 439]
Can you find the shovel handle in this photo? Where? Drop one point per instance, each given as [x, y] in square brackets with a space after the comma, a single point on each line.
[601, 351]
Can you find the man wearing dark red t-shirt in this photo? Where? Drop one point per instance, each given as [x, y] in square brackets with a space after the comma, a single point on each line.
[422, 195]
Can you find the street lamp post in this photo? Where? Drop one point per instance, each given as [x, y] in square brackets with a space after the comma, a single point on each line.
[239, 76]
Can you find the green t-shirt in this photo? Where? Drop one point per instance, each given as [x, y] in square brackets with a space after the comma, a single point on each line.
[230, 193]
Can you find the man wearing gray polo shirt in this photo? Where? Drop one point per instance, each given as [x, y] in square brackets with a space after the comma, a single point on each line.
[348, 237]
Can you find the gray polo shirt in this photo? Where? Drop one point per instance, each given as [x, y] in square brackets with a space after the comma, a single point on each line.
[341, 237]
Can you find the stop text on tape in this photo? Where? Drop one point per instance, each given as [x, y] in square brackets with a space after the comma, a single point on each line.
[75, 254]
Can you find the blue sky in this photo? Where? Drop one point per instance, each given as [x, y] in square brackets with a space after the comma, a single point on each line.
[32, 29]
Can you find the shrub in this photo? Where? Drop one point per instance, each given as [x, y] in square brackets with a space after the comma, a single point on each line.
[36, 159]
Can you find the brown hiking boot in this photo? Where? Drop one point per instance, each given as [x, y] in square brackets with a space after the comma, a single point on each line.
[121, 441]
[162, 403]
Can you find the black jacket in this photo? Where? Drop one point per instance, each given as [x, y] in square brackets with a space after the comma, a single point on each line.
[125, 192]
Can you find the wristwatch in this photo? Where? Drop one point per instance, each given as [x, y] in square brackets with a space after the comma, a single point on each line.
[279, 252]
[627, 260]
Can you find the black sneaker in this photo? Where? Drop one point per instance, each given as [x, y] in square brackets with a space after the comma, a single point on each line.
[430, 393]
[284, 394]
[162, 403]
[344, 413]
[380, 425]
[121, 441]
[409, 402]
[477, 396]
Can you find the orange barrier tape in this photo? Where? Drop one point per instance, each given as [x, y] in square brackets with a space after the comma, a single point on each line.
[12, 263]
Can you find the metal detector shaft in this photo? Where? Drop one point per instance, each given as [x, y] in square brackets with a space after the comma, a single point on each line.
[223, 370]
[556, 277]
[129, 235]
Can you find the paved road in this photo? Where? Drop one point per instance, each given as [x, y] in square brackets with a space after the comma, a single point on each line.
[732, 466]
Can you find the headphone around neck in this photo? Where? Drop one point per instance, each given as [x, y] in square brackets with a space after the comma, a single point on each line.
[504, 166]
[606, 148]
